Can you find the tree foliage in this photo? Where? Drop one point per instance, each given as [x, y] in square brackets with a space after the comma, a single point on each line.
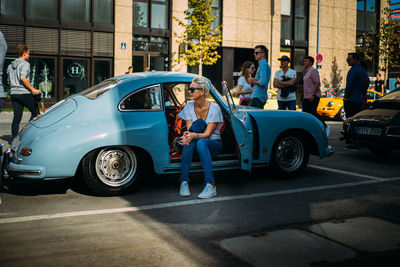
[384, 41]
[199, 39]
[336, 76]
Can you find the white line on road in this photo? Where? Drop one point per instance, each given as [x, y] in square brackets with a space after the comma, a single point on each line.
[348, 173]
[188, 202]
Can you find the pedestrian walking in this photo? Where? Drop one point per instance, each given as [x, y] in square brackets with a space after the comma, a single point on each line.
[3, 50]
[245, 87]
[355, 86]
[21, 90]
[285, 80]
[311, 87]
[260, 90]
[379, 84]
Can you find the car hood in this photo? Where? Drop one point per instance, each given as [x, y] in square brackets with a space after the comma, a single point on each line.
[377, 115]
[56, 113]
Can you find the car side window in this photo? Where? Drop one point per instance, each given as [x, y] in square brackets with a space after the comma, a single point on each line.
[174, 94]
[145, 99]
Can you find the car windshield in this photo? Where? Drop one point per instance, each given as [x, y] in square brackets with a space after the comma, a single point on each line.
[99, 89]
[219, 96]
[391, 96]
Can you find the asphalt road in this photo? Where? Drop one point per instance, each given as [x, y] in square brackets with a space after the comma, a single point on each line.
[63, 224]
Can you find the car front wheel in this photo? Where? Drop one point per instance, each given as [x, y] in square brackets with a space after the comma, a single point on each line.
[341, 114]
[290, 155]
[111, 171]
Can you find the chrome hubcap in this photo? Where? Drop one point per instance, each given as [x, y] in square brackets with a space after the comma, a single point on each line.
[116, 166]
[290, 153]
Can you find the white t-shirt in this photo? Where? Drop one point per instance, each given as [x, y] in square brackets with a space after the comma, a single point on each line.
[291, 73]
[214, 115]
[246, 86]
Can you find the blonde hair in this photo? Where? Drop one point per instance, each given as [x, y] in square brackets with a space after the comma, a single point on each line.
[203, 84]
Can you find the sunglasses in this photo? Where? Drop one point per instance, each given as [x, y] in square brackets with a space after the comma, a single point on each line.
[256, 53]
[192, 89]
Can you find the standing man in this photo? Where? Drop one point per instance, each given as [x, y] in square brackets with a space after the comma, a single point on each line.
[355, 86]
[260, 91]
[21, 89]
[284, 80]
[379, 84]
[312, 87]
[3, 50]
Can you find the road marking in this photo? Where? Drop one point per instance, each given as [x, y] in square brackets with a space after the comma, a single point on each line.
[366, 176]
[189, 202]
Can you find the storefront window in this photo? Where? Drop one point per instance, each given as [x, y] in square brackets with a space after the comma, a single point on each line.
[159, 16]
[102, 70]
[76, 10]
[12, 8]
[140, 12]
[42, 75]
[42, 9]
[103, 11]
[286, 28]
[74, 76]
[299, 8]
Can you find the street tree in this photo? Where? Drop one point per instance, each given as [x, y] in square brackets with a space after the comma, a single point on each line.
[199, 39]
[384, 42]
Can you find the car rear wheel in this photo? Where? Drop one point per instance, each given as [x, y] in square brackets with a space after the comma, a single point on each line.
[290, 155]
[111, 171]
[341, 114]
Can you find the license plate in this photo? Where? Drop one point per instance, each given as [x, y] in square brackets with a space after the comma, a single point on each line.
[369, 131]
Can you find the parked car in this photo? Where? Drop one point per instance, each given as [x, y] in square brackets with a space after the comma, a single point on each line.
[332, 107]
[116, 130]
[376, 127]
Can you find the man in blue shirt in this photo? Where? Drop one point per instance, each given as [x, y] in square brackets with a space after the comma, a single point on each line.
[356, 84]
[260, 91]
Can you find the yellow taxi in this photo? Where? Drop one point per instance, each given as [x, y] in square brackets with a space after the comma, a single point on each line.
[332, 107]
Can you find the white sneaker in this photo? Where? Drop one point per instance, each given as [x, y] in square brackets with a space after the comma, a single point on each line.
[208, 192]
[184, 191]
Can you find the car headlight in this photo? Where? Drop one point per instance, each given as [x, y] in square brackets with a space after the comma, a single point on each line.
[330, 104]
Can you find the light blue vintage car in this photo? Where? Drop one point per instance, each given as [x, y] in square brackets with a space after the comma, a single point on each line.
[115, 131]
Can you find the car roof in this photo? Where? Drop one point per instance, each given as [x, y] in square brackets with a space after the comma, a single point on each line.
[161, 76]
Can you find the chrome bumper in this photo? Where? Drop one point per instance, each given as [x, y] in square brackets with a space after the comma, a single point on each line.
[329, 151]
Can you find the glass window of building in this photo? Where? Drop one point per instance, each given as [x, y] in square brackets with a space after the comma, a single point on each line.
[103, 11]
[76, 10]
[366, 15]
[39, 9]
[140, 14]
[285, 7]
[12, 8]
[42, 75]
[159, 16]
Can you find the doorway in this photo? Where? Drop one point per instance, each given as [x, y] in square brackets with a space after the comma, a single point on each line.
[149, 61]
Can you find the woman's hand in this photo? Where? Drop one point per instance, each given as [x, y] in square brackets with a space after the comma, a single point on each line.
[187, 137]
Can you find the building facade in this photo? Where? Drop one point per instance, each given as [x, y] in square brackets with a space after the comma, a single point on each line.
[78, 43]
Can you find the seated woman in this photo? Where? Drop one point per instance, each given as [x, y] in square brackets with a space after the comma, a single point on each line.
[208, 143]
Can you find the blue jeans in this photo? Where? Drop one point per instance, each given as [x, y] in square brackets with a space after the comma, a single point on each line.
[290, 105]
[18, 103]
[207, 149]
